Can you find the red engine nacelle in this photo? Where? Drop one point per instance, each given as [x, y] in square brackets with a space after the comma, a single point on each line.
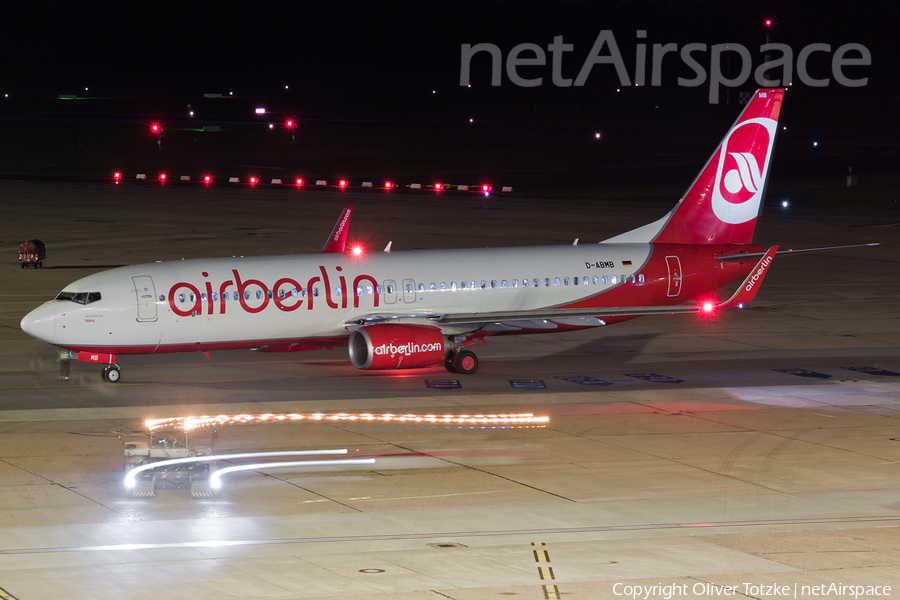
[396, 346]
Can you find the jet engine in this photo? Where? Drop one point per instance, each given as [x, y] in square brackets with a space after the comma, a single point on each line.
[396, 346]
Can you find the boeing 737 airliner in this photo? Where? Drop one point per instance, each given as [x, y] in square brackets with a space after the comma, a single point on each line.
[406, 310]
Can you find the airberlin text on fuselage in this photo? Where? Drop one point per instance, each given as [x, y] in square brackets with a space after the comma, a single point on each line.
[282, 294]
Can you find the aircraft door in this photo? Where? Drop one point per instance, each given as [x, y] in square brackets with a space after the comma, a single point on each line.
[675, 275]
[390, 291]
[409, 290]
[146, 297]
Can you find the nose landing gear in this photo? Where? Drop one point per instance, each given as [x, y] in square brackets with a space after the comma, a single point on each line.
[112, 373]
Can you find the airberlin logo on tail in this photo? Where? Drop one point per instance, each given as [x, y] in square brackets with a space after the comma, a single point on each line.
[743, 163]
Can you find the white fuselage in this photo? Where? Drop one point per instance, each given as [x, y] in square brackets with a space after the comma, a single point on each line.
[263, 301]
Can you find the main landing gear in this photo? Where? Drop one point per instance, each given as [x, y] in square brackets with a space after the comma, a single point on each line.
[111, 373]
[463, 362]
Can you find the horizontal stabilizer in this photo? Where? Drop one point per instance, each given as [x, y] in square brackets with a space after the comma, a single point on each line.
[754, 255]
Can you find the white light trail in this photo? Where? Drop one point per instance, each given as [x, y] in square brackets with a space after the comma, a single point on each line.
[129, 478]
[215, 482]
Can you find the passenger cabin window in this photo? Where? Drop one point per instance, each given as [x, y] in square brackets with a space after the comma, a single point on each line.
[483, 284]
[612, 279]
[452, 286]
[463, 285]
[605, 280]
[641, 278]
[596, 280]
[503, 284]
[432, 287]
[421, 287]
[493, 284]
[556, 281]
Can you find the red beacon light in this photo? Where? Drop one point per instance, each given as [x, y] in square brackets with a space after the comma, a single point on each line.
[290, 124]
[357, 250]
[438, 187]
[117, 176]
[155, 128]
[253, 180]
[162, 177]
[342, 183]
[388, 185]
[299, 182]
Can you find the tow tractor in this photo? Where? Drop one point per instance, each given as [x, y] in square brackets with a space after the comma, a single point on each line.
[165, 445]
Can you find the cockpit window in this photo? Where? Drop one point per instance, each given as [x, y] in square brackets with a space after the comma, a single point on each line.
[79, 297]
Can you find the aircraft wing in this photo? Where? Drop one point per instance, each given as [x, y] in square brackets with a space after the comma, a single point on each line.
[337, 241]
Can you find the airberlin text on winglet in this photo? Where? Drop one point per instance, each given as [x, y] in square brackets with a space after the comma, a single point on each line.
[284, 302]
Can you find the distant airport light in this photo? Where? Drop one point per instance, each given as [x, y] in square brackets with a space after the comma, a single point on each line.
[597, 136]
[815, 144]
[471, 120]
[271, 126]
[388, 185]
[260, 111]
[190, 113]
[785, 204]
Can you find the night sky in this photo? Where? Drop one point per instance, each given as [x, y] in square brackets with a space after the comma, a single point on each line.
[400, 63]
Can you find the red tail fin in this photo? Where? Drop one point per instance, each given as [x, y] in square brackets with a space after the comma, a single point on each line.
[723, 202]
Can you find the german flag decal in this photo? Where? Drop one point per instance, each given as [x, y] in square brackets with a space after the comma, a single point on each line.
[626, 263]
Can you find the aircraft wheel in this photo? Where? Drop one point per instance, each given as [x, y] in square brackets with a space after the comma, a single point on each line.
[448, 363]
[111, 374]
[465, 362]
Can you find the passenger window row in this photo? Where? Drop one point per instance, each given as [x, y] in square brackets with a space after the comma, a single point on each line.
[390, 289]
[536, 282]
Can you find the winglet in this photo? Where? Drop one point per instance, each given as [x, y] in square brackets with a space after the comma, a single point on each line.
[751, 285]
[338, 240]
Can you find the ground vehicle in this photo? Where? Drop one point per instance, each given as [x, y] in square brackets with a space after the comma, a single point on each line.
[32, 252]
[162, 446]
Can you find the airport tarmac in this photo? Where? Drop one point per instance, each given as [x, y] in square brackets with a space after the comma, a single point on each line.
[761, 447]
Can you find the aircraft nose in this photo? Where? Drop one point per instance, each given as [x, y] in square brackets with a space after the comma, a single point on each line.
[40, 323]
